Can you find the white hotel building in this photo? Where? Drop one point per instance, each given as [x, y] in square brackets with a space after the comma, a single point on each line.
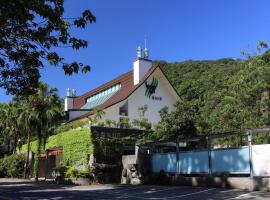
[121, 97]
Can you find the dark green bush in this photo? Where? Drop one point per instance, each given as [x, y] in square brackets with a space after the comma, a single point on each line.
[12, 166]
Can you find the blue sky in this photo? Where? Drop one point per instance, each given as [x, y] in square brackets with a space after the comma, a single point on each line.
[176, 30]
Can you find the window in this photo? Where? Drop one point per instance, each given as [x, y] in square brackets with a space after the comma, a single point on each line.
[108, 91]
[123, 110]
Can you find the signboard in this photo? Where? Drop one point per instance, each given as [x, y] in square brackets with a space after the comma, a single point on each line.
[98, 131]
[261, 160]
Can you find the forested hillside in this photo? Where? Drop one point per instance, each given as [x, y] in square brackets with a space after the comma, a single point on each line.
[226, 94]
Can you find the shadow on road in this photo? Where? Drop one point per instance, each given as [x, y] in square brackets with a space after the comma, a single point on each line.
[27, 190]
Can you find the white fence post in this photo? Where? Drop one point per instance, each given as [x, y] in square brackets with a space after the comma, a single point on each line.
[208, 139]
[177, 158]
[249, 133]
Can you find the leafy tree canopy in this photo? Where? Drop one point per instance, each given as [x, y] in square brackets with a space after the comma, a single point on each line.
[30, 31]
[177, 124]
[225, 94]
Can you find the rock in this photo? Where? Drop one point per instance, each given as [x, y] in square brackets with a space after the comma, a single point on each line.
[135, 181]
[133, 169]
[81, 181]
[124, 172]
[123, 180]
[134, 174]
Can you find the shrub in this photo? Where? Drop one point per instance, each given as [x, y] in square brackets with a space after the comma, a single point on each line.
[12, 166]
[62, 169]
[3, 168]
[71, 126]
[72, 172]
[85, 173]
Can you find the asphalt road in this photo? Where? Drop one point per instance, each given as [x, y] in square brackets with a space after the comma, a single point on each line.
[27, 190]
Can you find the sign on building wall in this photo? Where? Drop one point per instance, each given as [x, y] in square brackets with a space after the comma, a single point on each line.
[151, 89]
[261, 160]
[98, 131]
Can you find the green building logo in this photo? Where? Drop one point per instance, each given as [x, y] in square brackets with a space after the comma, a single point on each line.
[151, 88]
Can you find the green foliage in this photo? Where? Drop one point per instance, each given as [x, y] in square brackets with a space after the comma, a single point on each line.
[124, 122]
[62, 169]
[72, 172]
[70, 126]
[142, 123]
[225, 94]
[9, 127]
[108, 150]
[12, 166]
[40, 112]
[31, 32]
[96, 117]
[179, 123]
[77, 146]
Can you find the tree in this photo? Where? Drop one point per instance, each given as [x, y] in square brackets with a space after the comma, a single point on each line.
[12, 127]
[142, 122]
[27, 120]
[97, 115]
[3, 134]
[10, 130]
[39, 113]
[31, 31]
[46, 107]
[179, 123]
[225, 94]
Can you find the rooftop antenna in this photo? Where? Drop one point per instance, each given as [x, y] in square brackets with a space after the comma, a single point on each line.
[145, 51]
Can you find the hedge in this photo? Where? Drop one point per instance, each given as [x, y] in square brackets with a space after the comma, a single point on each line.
[71, 126]
[12, 166]
[77, 145]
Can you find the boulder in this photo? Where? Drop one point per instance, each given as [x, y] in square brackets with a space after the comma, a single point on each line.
[124, 172]
[135, 181]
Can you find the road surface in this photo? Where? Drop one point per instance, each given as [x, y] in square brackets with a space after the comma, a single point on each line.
[11, 189]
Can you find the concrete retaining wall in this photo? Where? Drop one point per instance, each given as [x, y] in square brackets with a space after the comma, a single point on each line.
[245, 183]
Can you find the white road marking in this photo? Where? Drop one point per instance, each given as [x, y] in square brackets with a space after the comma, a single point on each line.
[171, 197]
[128, 189]
[193, 193]
[243, 196]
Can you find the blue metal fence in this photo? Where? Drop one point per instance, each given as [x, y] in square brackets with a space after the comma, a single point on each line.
[231, 160]
[193, 162]
[166, 162]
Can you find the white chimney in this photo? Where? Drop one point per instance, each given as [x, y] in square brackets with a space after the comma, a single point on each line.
[141, 65]
[69, 100]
